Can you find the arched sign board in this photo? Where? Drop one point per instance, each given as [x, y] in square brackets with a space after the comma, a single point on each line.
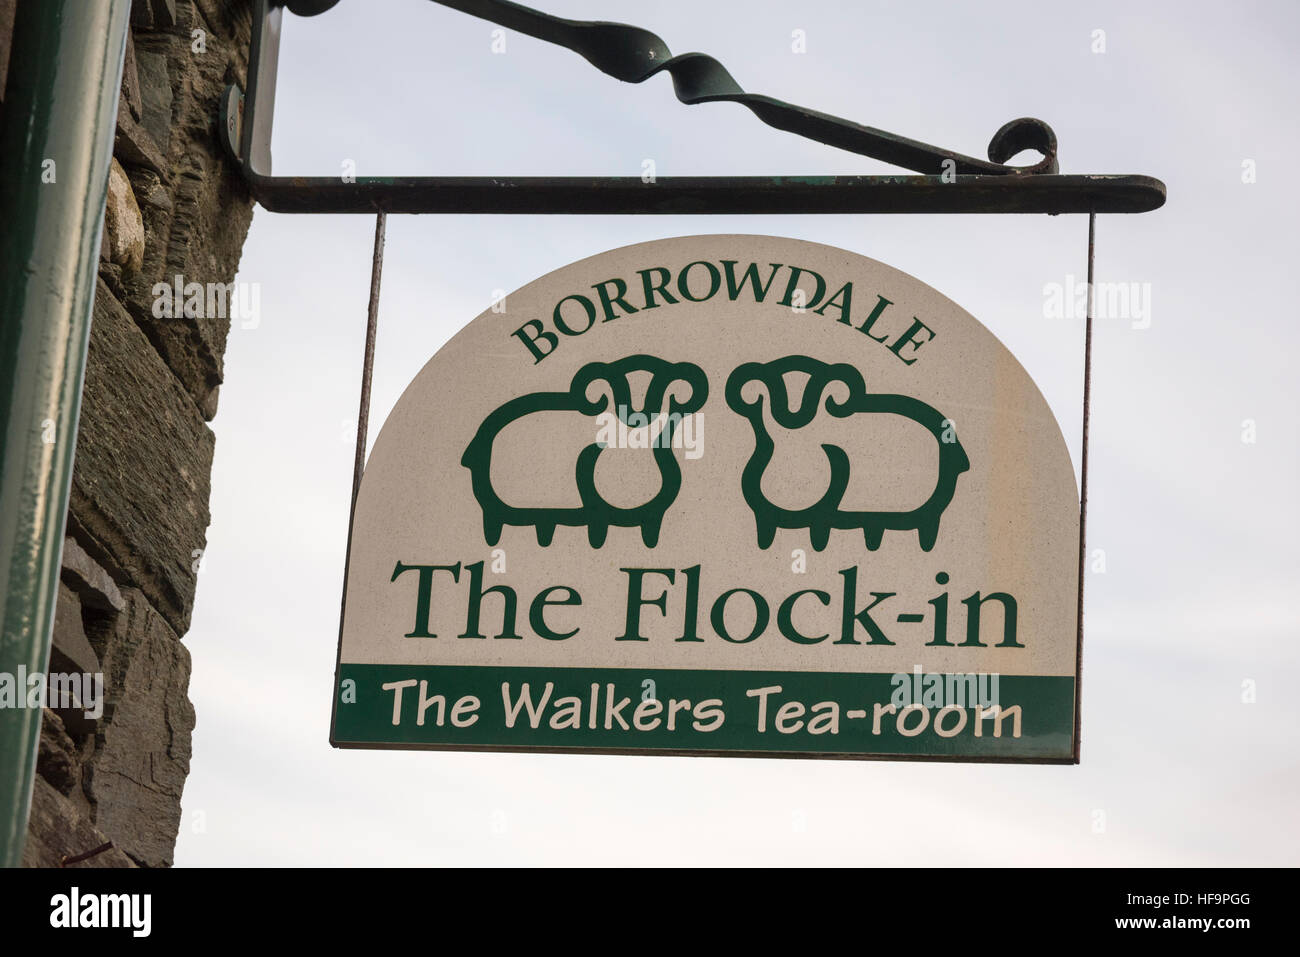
[734, 495]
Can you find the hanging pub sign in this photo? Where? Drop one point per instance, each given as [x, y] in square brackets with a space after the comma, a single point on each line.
[730, 495]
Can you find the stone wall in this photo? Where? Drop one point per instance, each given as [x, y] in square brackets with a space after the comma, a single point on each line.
[138, 512]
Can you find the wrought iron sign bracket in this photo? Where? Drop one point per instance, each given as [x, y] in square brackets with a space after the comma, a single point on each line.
[942, 181]
[949, 182]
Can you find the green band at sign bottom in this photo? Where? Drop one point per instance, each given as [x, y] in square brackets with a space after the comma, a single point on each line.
[1007, 716]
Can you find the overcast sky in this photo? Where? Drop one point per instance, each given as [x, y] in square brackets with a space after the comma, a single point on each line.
[1198, 525]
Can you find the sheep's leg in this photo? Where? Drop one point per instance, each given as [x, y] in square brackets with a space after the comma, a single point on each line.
[650, 531]
[928, 531]
[766, 533]
[873, 533]
[491, 528]
[545, 532]
[596, 532]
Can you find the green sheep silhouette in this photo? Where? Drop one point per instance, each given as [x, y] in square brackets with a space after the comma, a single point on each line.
[826, 513]
[595, 513]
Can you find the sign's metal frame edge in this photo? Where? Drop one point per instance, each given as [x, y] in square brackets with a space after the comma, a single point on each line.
[683, 753]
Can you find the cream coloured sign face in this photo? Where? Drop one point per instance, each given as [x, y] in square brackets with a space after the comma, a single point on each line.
[725, 494]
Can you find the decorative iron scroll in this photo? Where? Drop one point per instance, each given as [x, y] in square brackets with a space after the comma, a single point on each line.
[634, 55]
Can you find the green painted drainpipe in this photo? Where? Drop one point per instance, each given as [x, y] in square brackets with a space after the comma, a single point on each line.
[56, 140]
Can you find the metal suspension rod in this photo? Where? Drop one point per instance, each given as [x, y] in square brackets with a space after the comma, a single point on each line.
[368, 361]
[363, 421]
[1083, 482]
